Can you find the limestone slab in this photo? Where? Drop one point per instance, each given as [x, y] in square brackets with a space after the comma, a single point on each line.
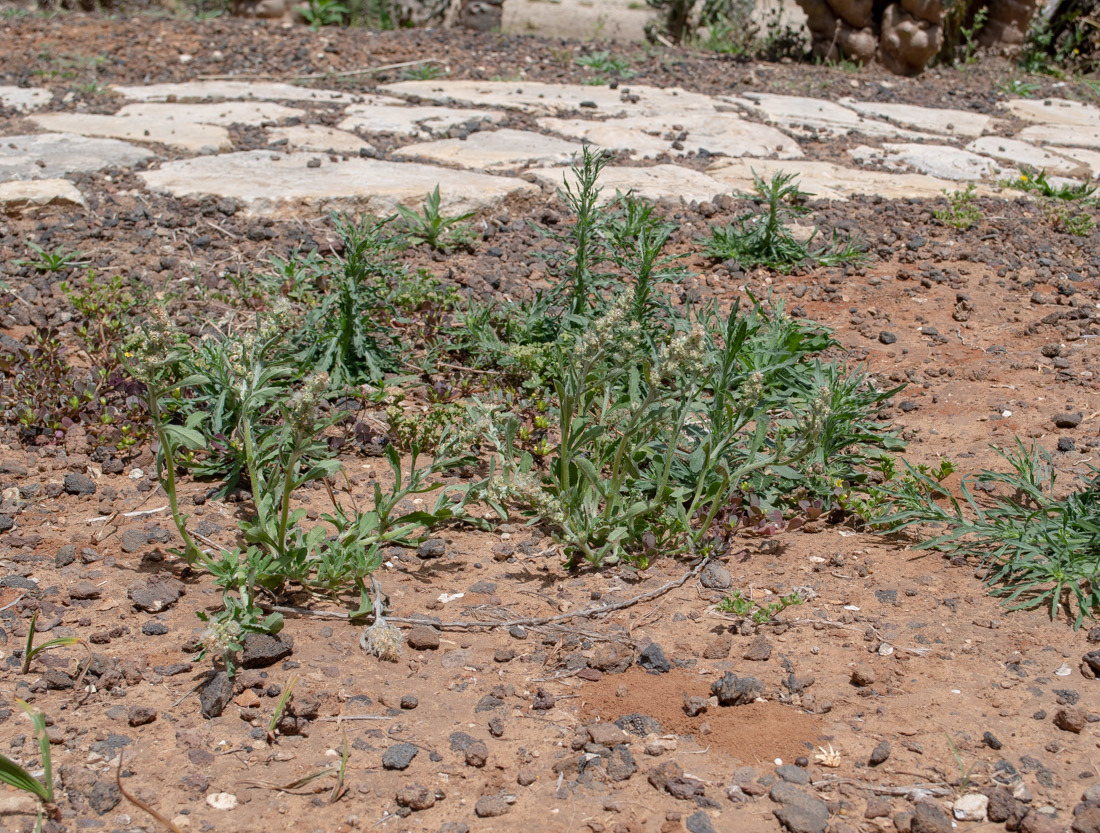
[814, 115]
[284, 184]
[52, 155]
[941, 161]
[317, 137]
[191, 136]
[928, 119]
[232, 90]
[17, 197]
[659, 182]
[494, 149]
[1022, 153]
[24, 98]
[1079, 136]
[412, 120]
[1052, 111]
[550, 99]
[647, 136]
[1090, 158]
[829, 181]
[223, 113]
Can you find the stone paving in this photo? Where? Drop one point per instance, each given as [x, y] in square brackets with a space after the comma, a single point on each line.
[483, 142]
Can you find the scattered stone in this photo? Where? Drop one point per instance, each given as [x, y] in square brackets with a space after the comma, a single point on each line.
[653, 659]
[409, 702]
[793, 774]
[1086, 818]
[544, 701]
[526, 777]
[670, 778]
[607, 734]
[222, 801]
[415, 797]
[798, 810]
[477, 754]
[1036, 822]
[155, 594]
[1002, 806]
[863, 675]
[715, 577]
[399, 756]
[432, 548]
[694, 706]
[699, 822]
[929, 817]
[104, 796]
[880, 753]
[990, 740]
[1068, 420]
[133, 540]
[22, 197]
[140, 715]
[878, 807]
[422, 638]
[759, 650]
[261, 650]
[84, 590]
[732, 690]
[491, 806]
[215, 695]
[78, 484]
[718, 647]
[1071, 719]
[970, 807]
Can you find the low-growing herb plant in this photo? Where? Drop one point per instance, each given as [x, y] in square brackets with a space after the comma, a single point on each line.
[30, 650]
[57, 260]
[430, 226]
[1038, 182]
[962, 211]
[1037, 549]
[18, 777]
[760, 614]
[763, 239]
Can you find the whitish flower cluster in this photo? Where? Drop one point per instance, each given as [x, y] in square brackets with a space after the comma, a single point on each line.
[525, 490]
[614, 327]
[383, 640]
[753, 389]
[683, 357]
[302, 406]
[221, 637]
[821, 408]
[148, 349]
[276, 323]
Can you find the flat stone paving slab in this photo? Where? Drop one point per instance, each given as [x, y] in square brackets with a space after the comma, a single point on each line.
[222, 113]
[1087, 136]
[1022, 153]
[52, 155]
[815, 115]
[1051, 111]
[1085, 157]
[494, 149]
[928, 119]
[541, 98]
[204, 138]
[240, 90]
[269, 183]
[17, 197]
[412, 120]
[717, 133]
[24, 98]
[658, 182]
[829, 181]
[318, 137]
[942, 161]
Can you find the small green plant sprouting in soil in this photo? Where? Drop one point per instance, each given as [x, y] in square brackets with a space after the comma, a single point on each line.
[965, 772]
[1077, 223]
[1032, 180]
[20, 778]
[430, 226]
[270, 437]
[30, 650]
[318, 13]
[763, 239]
[1036, 548]
[669, 427]
[424, 71]
[57, 260]
[1017, 86]
[970, 36]
[280, 707]
[962, 211]
[738, 605]
[606, 67]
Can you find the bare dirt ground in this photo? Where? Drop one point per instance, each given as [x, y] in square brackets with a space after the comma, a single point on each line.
[899, 651]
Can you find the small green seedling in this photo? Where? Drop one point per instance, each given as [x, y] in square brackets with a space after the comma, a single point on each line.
[280, 707]
[432, 227]
[965, 772]
[1032, 180]
[18, 777]
[31, 651]
[55, 261]
[962, 211]
[738, 605]
[340, 788]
